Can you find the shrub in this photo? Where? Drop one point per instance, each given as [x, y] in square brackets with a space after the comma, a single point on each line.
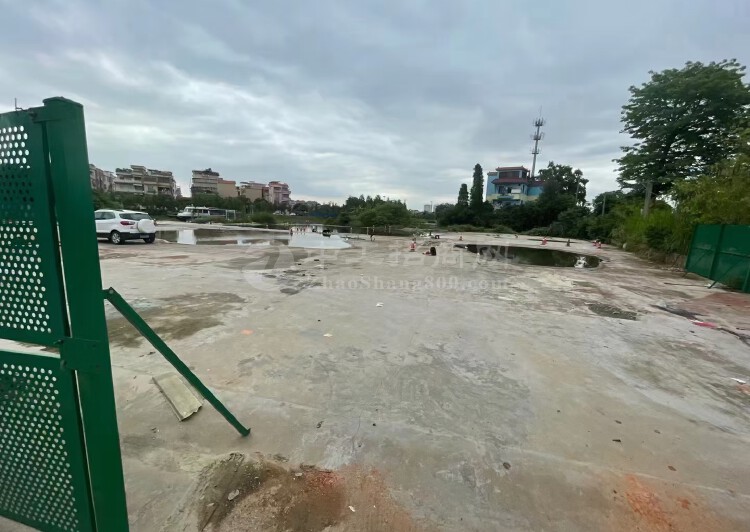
[537, 231]
[556, 229]
[657, 237]
[263, 218]
[464, 228]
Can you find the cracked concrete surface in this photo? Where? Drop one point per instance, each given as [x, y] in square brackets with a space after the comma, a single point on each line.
[486, 396]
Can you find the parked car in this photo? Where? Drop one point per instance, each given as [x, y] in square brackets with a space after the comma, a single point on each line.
[118, 225]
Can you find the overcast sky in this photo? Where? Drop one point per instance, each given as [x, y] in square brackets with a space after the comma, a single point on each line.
[337, 98]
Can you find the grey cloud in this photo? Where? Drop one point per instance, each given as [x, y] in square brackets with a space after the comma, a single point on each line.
[338, 98]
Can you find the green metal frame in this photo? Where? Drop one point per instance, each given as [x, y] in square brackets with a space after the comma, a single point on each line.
[60, 461]
[50, 295]
[148, 333]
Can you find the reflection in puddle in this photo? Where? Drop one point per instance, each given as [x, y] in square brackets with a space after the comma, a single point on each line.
[183, 237]
[318, 241]
[200, 237]
[533, 256]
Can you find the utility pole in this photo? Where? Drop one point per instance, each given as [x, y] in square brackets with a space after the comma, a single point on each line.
[604, 202]
[647, 202]
[536, 137]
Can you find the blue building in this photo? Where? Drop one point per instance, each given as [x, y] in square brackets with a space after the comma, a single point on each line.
[512, 185]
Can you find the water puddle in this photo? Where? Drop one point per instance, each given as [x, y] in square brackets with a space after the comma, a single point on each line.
[533, 256]
[214, 237]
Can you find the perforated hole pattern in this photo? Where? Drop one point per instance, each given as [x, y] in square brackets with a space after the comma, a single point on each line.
[36, 477]
[25, 278]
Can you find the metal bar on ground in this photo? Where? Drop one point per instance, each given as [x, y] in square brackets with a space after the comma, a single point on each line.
[111, 295]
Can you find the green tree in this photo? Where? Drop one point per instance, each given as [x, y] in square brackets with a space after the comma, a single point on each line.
[553, 200]
[564, 179]
[581, 183]
[559, 194]
[477, 188]
[607, 201]
[442, 208]
[573, 222]
[463, 195]
[385, 213]
[519, 217]
[299, 209]
[683, 122]
[723, 195]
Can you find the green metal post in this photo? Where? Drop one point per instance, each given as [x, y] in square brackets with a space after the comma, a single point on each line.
[692, 250]
[717, 254]
[66, 139]
[149, 334]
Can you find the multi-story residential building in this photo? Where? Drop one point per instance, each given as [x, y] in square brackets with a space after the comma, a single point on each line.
[512, 185]
[141, 180]
[210, 182]
[109, 177]
[204, 182]
[278, 193]
[226, 188]
[100, 179]
[252, 190]
[125, 182]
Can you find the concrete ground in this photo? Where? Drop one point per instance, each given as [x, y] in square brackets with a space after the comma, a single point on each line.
[447, 392]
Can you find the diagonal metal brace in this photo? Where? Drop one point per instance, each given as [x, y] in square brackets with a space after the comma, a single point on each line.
[111, 295]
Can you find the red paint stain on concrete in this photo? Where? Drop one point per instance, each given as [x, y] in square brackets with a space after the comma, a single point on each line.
[644, 502]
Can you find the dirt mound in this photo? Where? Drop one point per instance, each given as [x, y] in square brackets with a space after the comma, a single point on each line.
[242, 494]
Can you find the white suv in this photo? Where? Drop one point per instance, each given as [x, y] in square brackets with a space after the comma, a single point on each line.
[118, 225]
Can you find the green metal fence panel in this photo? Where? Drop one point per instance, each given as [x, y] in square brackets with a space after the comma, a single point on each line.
[703, 249]
[42, 473]
[62, 472]
[89, 346]
[733, 262]
[30, 291]
[736, 240]
[722, 254]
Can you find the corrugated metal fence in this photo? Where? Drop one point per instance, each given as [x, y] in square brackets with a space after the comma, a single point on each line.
[722, 254]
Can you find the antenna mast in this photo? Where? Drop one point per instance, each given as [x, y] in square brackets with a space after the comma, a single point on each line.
[536, 137]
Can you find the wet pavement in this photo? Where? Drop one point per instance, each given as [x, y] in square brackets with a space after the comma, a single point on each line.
[258, 238]
[531, 256]
[446, 393]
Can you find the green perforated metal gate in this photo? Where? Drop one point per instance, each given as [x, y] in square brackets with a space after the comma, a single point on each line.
[722, 254]
[60, 464]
